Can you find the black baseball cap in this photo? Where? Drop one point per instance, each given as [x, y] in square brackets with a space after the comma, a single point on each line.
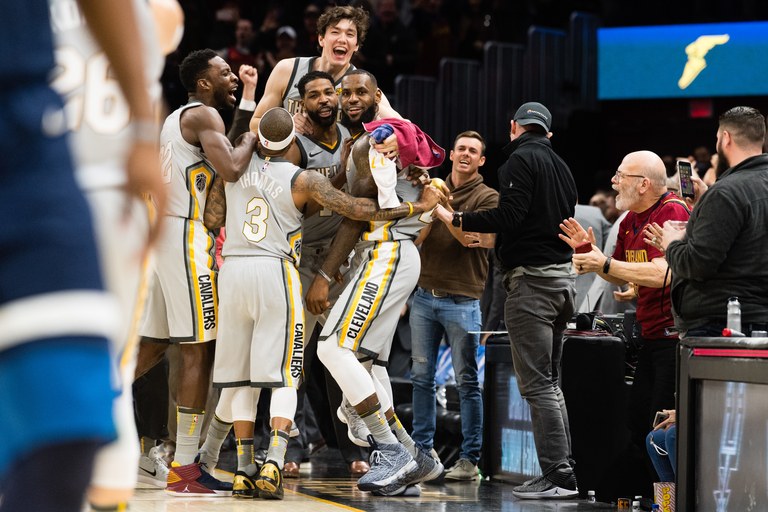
[533, 113]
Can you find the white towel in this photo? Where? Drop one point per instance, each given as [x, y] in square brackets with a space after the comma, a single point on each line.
[384, 172]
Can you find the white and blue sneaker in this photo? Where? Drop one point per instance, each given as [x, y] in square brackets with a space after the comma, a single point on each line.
[389, 463]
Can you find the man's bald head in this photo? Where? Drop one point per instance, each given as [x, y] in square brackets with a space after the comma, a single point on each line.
[648, 164]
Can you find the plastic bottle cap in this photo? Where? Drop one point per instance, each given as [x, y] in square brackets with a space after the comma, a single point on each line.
[590, 493]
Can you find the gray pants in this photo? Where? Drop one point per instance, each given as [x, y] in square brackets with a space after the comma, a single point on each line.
[536, 311]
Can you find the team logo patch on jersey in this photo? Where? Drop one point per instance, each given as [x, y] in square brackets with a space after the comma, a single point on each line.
[297, 247]
[200, 181]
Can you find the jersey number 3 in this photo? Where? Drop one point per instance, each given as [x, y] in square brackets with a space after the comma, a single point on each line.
[256, 229]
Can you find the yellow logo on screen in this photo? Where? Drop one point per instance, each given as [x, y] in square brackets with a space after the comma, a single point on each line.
[696, 52]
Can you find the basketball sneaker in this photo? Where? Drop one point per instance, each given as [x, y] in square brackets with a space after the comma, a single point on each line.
[193, 480]
[427, 468]
[243, 485]
[152, 469]
[559, 484]
[357, 430]
[270, 481]
[406, 491]
[389, 462]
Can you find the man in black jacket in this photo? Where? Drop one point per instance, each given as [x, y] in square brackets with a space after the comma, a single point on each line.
[536, 190]
[724, 250]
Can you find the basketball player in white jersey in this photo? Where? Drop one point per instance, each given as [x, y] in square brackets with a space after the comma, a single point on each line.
[359, 331]
[322, 152]
[341, 32]
[182, 302]
[115, 142]
[261, 339]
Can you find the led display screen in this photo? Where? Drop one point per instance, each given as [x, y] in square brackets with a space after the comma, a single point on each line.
[731, 447]
[683, 61]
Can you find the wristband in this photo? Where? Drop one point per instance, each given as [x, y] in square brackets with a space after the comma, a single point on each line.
[248, 105]
[324, 275]
[410, 208]
[607, 265]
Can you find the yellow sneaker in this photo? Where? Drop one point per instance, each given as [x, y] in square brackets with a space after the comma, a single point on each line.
[270, 481]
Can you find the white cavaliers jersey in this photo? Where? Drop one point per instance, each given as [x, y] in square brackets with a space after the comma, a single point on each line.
[262, 219]
[400, 229]
[186, 172]
[291, 97]
[96, 111]
[316, 156]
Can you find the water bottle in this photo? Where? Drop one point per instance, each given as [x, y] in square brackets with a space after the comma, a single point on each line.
[733, 321]
[591, 497]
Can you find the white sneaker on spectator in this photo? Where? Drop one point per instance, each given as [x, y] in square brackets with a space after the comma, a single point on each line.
[152, 469]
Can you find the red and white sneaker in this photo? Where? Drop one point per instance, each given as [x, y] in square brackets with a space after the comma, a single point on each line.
[193, 480]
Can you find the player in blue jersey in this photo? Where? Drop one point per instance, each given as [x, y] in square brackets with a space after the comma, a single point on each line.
[55, 382]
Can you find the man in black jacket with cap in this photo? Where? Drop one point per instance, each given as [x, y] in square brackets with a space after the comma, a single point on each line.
[537, 191]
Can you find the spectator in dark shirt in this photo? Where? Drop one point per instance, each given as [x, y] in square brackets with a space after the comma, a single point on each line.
[536, 186]
[722, 252]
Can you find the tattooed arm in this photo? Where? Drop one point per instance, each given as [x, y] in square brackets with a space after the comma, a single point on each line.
[314, 186]
[215, 206]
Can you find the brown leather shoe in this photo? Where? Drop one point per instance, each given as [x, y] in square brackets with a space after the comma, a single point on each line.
[358, 468]
[291, 470]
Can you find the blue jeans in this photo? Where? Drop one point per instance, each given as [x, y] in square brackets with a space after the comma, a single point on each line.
[454, 316]
[536, 311]
[657, 442]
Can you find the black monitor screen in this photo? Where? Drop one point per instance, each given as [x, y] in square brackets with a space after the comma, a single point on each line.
[731, 446]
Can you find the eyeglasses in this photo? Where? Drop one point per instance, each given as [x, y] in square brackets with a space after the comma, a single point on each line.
[619, 175]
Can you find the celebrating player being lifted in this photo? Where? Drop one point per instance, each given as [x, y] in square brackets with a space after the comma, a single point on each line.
[261, 336]
[341, 32]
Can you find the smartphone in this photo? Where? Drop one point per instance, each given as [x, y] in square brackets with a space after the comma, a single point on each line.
[583, 247]
[660, 416]
[686, 182]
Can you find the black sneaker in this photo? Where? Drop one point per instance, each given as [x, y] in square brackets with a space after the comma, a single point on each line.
[545, 488]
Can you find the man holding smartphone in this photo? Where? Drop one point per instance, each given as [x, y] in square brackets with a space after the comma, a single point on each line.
[641, 185]
[723, 253]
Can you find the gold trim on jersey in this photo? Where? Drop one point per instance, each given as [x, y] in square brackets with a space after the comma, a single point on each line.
[132, 343]
[295, 335]
[363, 287]
[192, 173]
[379, 230]
[204, 316]
[294, 242]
